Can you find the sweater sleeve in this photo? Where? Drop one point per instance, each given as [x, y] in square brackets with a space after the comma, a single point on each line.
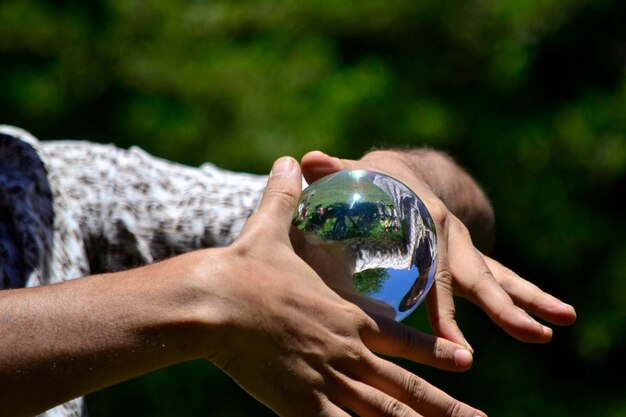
[134, 208]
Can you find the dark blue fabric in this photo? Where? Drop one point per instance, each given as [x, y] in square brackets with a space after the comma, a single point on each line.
[26, 214]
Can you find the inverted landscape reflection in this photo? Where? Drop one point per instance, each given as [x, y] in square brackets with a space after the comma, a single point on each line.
[366, 231]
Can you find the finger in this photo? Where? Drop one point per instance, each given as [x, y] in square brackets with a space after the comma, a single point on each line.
[391, 338]
[476, 283]
[281, 194]
[530, 297]
[442, 311]
[367, 401]
[328, 409]
[369, 305]
[440, 298]
[413, 391]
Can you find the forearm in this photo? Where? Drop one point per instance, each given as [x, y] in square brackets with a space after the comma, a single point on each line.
[454, 186]
[63, 341]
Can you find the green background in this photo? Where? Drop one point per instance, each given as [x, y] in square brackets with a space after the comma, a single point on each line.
[528, 95]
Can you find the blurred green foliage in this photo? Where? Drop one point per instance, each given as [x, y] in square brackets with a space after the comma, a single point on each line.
[528, 95]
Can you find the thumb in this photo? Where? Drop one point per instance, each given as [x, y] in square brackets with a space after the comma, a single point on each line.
[281, 194]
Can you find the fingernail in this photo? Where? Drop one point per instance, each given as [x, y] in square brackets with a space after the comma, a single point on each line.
[462, 358]
[468, 346]
[282, 166]
[546, 330]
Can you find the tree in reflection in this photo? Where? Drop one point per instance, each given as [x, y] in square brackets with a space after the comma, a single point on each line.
[370, 281]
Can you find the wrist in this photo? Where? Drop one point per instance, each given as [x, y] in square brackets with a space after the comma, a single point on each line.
[195, 308]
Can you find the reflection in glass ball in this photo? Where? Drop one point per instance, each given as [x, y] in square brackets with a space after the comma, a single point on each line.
[366, 231]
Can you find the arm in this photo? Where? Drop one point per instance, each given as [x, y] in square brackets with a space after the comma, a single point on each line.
[281, 335]
[464, 221]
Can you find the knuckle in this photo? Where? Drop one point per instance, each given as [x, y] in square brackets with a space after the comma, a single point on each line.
[321, 405]
[420, 393]
[442, 350]
[360, 319]
[444, 278]
[505, 276]
[439, 212]
[416, 389]
[483, 279]
[354, 349]
[456, 409]
[394, 408]
[354, 311]
[503, 314]
[282, 196]
[508, 272]
[409, 340]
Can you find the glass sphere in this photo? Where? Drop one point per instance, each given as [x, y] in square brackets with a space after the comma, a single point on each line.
[367, 232]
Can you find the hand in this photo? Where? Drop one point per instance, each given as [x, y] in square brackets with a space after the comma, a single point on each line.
[301, 349]
[462, 269]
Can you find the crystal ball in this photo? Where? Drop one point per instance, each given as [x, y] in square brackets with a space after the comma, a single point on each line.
[366, 232]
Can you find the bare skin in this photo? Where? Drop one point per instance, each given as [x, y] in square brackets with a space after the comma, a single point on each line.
[260, 313]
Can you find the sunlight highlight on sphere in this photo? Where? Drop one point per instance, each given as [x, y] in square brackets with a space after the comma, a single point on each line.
[366, 231]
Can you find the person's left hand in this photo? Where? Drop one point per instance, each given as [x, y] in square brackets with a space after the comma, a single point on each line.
[270, 322]
[462, 269]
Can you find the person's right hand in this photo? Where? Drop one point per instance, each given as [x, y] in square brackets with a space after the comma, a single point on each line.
[300, 348]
